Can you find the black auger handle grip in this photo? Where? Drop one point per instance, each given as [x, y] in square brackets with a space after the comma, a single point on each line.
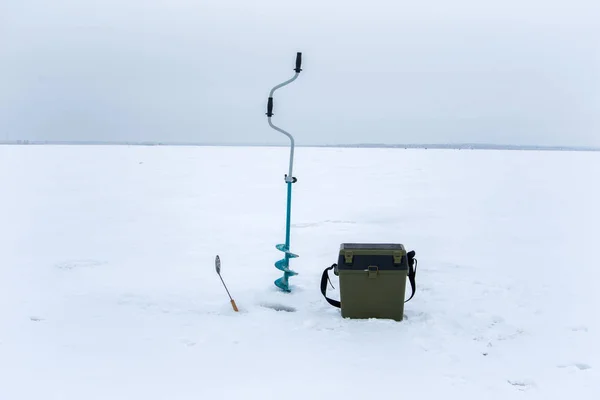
[270, 107]
[298, 62]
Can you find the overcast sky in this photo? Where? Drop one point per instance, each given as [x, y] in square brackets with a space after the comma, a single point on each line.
[433, 71]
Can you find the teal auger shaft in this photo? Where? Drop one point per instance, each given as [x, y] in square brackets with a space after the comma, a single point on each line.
[284, 264]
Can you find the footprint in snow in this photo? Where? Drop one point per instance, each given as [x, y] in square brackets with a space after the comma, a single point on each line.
[305, 225]
[188, 343]
[73, 264]
[579, 329]
[522, 384]
[579, 366]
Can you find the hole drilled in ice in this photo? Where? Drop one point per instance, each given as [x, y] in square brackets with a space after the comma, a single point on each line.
[278, 307]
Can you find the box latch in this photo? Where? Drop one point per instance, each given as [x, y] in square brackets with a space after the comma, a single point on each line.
[348, 257]
[398, 256]
[373, 271]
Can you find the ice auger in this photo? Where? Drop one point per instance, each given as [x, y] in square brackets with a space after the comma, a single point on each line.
[284, 263]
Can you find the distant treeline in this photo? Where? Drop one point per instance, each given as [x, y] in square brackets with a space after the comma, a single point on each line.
[448, 146]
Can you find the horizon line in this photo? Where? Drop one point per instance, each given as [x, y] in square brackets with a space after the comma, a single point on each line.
[460, 145]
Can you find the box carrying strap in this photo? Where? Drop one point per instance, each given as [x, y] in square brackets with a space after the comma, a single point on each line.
[412, 272]
[324, 279]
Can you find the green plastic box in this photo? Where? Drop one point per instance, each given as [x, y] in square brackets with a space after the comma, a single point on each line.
[372, 280]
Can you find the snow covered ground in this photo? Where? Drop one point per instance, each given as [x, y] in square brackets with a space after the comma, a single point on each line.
[108, 288]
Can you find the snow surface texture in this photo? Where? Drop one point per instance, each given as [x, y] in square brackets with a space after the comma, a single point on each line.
[108, 288]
